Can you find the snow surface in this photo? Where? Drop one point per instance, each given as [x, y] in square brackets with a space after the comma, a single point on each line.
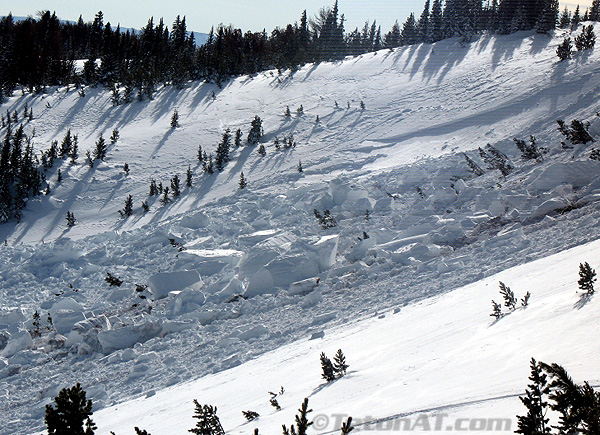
[239, 280]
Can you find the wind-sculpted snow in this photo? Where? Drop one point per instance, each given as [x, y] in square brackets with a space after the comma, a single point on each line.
[221, 275]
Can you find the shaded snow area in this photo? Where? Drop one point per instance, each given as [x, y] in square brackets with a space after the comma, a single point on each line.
[229, 293]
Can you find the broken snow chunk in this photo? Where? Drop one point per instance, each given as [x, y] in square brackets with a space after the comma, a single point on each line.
[123, 338]
[19, 340]
[253, 332]
[162, 284]
[303, 287]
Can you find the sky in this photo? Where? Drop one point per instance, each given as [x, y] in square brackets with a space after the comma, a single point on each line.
[245, 14]
[201, 15]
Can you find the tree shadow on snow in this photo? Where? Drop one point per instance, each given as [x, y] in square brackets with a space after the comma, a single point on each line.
[582, 302]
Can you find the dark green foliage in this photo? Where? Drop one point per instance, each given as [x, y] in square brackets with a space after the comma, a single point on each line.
[496, 159]
[325, 220]
[153, 188]
[529, 150]
[473, 167]
[208, 423]
[496, 310]
[273, 402]
[565, 49]
[261, 150]
[250, 415]
[128, 207]
[299, 167]
[587, 277]
[114, 137]
[188, 177]
[302, 423]
[175, 119]
[70, 414]
[347, 426]
[71, 221]
[256, 131]
[595, 154]
[165, 196]
[576, 133]
[287, 111]
[100, 149]
[243, 183]
[535, 422]
[300, 110]
[339, 363]
[586, 39]
[176, 186]
[510, 301]
[578, 405]
[237, 142]
[327, 368]
[525, 300]
[200, 154]
[222, 153]
[66, 145]
[145, 207]
[112, 280]
[59, 177]
[36, 325]
[139, 431]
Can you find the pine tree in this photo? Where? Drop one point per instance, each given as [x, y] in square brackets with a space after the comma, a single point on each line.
[36, 325]
[139, 431]
[535, 422]
[145, 207]
[114, 137]
[74, 153]
[59, 177]
[473, 167]
[347, 426]
[237, 142]
[208, 423]
[126, 168]
[165, 196]
[222, 153]
[250, 415]
[262, 151]
[587, 39]
[70, 414]
[423, 26]
[510, 301]
[575, 19]
[175, 119]
[100, 149]
[256, 131]
[496, 310]
[188, 177]
[496, 159]
[528, 151]
[595, 11]
[153, 188]
[302, 423]
[339, 364]
[577, 132]
[287, 111]
[587, 277]
[525, 299]
[176, 186]
[71, 221]
[243, 183]
[299, 167]
[66, 144]
[112, 280]
[327, 368]
[128, 208]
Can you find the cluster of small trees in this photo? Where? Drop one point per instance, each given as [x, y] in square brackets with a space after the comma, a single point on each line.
[326, 220]
[335, 369]
[584, 41]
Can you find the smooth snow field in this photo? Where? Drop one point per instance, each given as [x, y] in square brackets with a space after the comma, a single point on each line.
[230, 293]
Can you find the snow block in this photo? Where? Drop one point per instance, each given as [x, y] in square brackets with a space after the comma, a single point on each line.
[259, 283]
[162, 283]
[287, 270]
[253, 332]
[576, 173]
[548, 207]
[126, 337]
[18, 341]
[303, 287]
[11, 318]
[359, 251]
[208, 261]
[186, 301]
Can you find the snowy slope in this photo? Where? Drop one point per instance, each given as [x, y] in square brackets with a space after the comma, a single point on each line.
[235, 274]
[443, 358]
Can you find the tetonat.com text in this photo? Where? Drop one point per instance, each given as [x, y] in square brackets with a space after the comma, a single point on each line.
[419, 423]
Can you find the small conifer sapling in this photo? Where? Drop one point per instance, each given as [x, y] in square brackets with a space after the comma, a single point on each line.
[587, 277]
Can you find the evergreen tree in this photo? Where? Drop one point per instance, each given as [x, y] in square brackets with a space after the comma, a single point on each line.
[200, 154]
[436, 21]
[565, 19]
[250, 415]
[287, 111]
[587, 39]
[299, 167]
[565, 49]
[496, 159]
[339, 364]
[126, 168]
[243, 183]
[535, 422]
[208, 423]
[528, 151]
[66, 144]
[577, 132]
[114, 137]
[70, 414]
[409, 31]
[237, 142]
[70, 219]
[128, 208]
[36, 325]
[302, 423]
[188, 177]
[549, 17]
[262, 151]
[595, 11]
[587, 277]
[256, 131]
[112, 280]
[222, 153]
[100, 149]
[473, 167]
[496, 310]
[423, 25]
[327, 368]
[347, 426]
[74, 153]
[176, 186]
[575, 20]
[510, 301]
[175, 119]
[153, 188]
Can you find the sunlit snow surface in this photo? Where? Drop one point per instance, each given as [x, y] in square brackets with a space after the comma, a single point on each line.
[239, 280]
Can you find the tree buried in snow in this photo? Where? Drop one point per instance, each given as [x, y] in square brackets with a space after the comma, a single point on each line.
[208, 423]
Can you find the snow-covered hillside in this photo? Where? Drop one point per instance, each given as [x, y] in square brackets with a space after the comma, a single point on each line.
[235, 274]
